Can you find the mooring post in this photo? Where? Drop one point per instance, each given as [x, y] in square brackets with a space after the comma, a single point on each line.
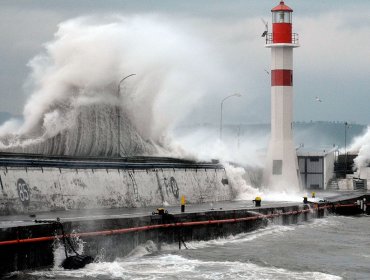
[183, 201]
[257, 201]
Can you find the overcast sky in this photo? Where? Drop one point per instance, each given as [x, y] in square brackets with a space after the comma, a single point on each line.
[333, 61]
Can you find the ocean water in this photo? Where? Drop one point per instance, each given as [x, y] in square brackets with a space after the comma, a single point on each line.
[334, 247]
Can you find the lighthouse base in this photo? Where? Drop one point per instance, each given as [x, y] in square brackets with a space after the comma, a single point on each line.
[281, 172]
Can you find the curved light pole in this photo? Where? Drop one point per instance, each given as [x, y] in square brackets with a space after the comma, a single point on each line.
[119, 114]
[346, 126]
[222, 103]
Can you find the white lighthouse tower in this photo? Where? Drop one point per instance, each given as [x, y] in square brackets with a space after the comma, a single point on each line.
[282, 171]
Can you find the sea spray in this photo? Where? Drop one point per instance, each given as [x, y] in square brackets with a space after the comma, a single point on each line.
[203, 141]
[238, 182]
[73, 87]
[243, 163]
[361, 145]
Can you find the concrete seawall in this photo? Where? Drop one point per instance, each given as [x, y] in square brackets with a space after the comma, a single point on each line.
[29, 185]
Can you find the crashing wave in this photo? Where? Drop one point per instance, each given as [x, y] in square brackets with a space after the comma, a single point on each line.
[74, 88]
[92, 130]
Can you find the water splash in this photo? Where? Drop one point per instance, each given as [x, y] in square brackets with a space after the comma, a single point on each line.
[361, 145]
[73, 105]
[171, 266]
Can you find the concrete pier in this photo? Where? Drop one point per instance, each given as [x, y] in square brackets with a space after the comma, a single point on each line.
[27, 245]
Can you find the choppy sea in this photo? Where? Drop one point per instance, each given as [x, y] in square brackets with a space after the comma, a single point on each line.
[334, 247]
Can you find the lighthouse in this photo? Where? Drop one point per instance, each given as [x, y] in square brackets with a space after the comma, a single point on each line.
[281, 171]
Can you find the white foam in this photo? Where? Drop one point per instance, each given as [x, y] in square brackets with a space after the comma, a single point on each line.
[240, 238]
[144, 249]
[177, 267]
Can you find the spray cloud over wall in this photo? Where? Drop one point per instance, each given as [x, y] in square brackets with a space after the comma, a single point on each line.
[361, 145]
[74, 85]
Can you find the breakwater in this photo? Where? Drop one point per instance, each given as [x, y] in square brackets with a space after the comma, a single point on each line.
[28, 245]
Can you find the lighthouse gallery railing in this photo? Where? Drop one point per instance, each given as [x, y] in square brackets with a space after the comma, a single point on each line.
[270, 39]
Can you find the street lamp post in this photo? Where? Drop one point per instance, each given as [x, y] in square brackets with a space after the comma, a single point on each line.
[345, 146]
[119, 115]
[222, 103]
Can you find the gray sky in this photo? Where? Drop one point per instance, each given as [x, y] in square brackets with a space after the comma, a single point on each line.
[333, 61]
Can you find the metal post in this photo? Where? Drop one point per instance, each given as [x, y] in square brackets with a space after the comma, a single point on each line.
[345, 147]
[221, 121]
[238, 137]
[222, 102]
[119, 115]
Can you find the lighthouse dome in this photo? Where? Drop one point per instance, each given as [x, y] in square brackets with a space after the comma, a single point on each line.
[282, 7]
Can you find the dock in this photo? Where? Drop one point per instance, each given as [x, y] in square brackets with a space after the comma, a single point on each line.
[26, 244]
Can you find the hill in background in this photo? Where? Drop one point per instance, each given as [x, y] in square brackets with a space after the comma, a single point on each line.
[310, 134]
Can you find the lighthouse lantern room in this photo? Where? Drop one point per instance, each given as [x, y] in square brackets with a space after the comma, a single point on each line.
[282, 23]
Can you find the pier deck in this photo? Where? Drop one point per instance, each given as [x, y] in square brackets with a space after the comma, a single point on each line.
[25, 244]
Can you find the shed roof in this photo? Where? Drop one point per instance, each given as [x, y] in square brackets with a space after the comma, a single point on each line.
[316, 152]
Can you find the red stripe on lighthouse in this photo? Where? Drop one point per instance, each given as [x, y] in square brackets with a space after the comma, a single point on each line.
[281, 77]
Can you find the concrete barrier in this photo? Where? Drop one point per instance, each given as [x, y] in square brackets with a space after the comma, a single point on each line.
[35, 189]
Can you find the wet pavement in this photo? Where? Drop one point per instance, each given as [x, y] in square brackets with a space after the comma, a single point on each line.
[95, 214]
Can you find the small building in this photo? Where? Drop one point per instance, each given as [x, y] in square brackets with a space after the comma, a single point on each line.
[316, 168]
[362, 180]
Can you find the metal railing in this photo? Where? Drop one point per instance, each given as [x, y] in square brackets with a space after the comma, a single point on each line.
[150, 163]
[270, 39]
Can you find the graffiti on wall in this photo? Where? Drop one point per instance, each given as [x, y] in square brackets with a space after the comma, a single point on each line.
[172, 187]
[23, 192]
